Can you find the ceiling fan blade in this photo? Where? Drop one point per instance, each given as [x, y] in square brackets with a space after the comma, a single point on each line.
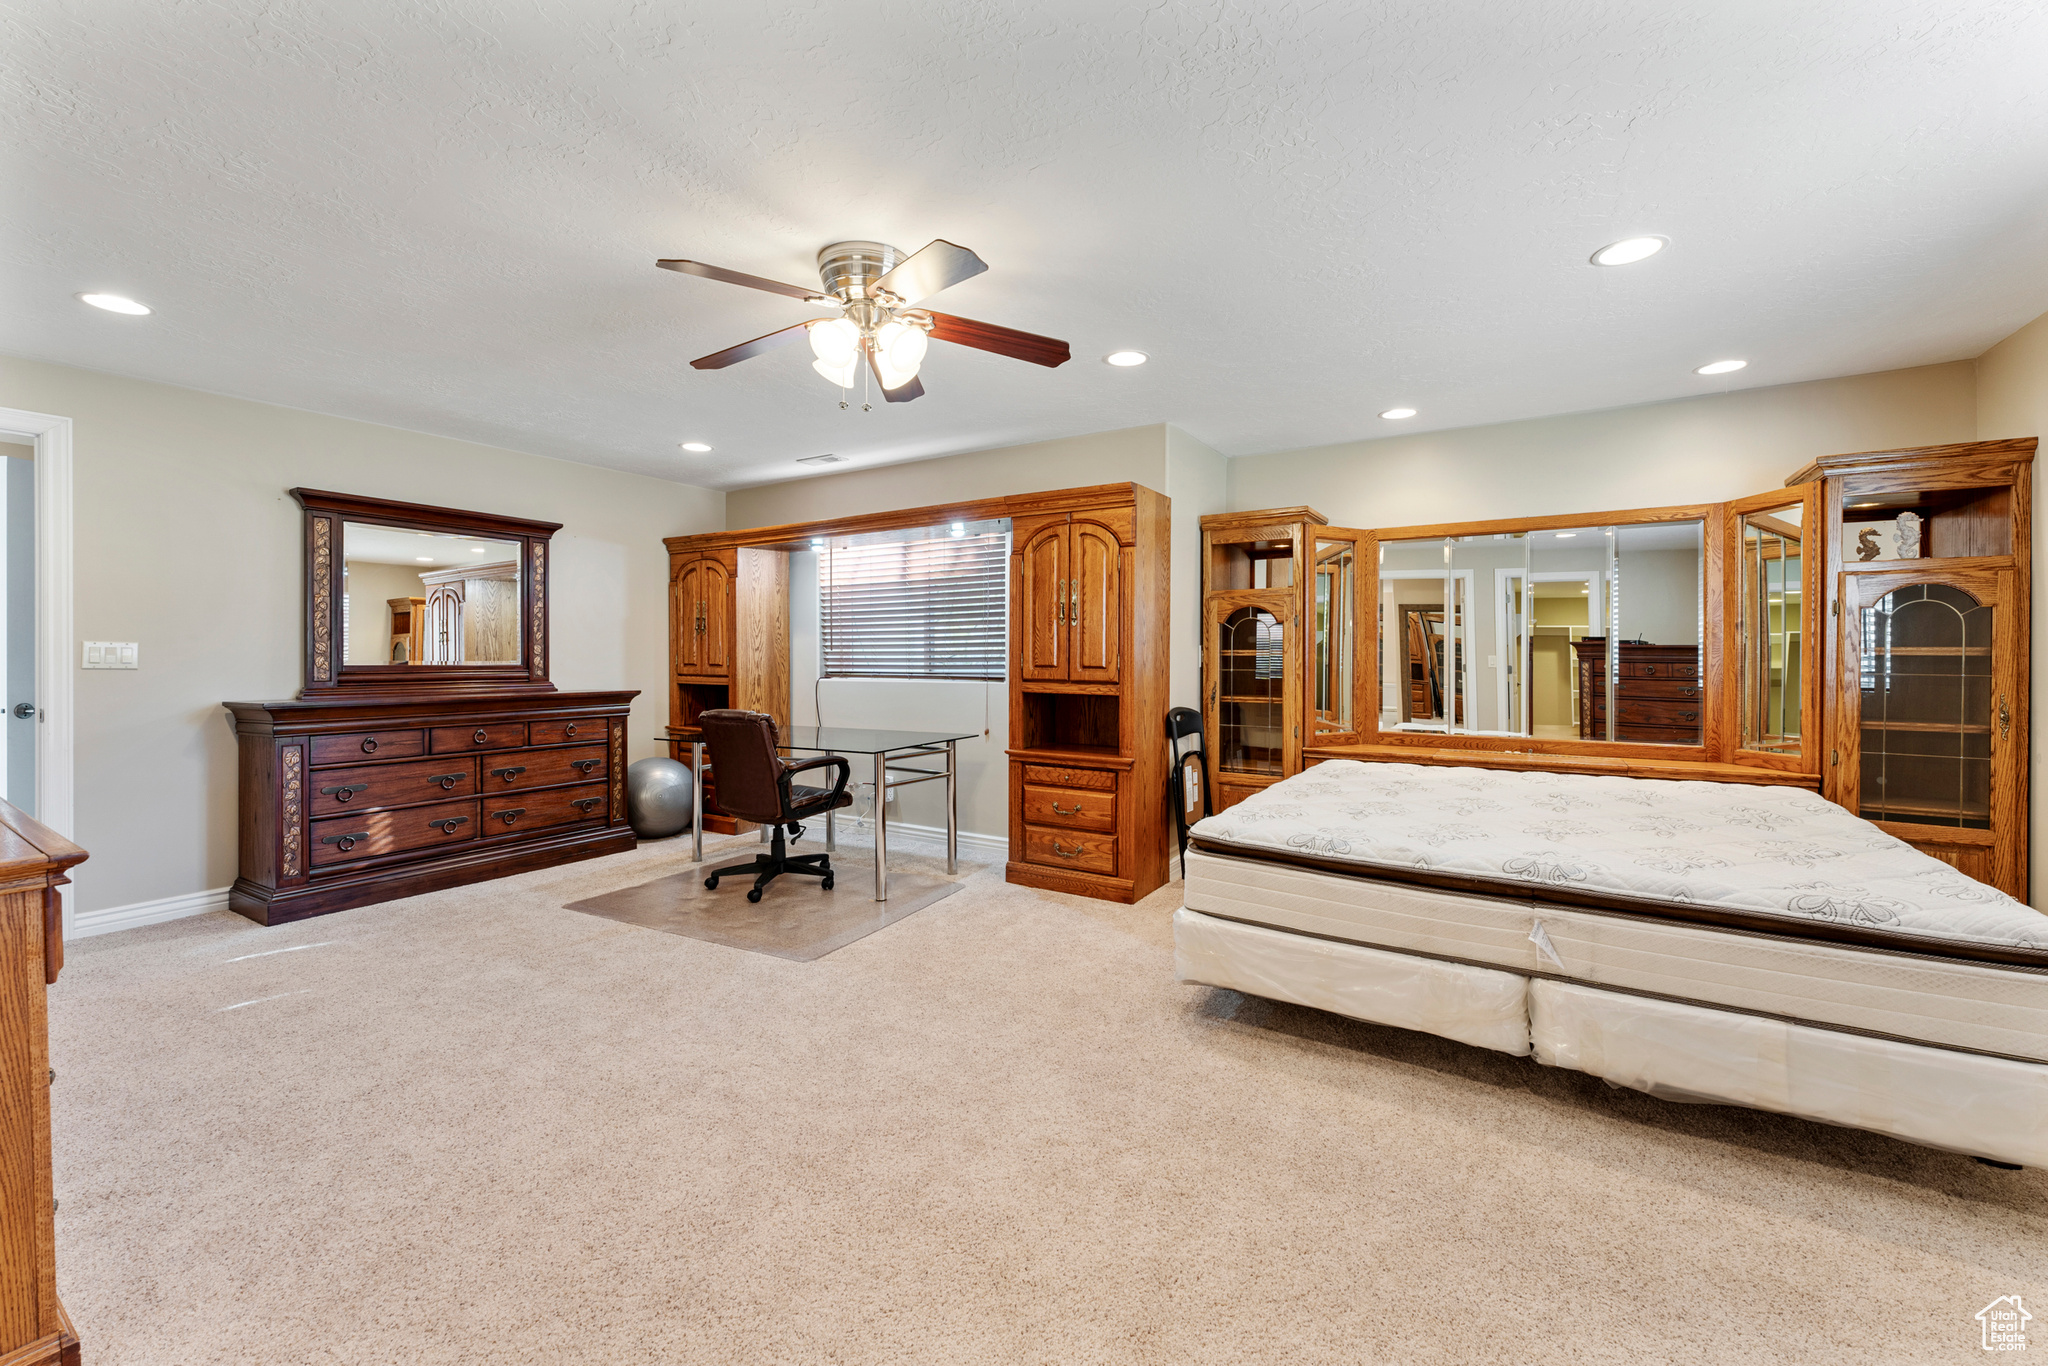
[732, 355]
[1004, 341]
[938, 266]
[903, 394]
[733, 277]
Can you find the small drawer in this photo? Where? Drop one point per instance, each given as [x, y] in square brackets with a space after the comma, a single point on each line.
[541, 768]
[377, 744]
[1094, 778]
[497, 735]
[373, 785]
[573, 731]
[1658, 712]
[1660, 668]
[1676, 689]
[1068, 808]
[526, 812]
[352, 838]
[1066, 849]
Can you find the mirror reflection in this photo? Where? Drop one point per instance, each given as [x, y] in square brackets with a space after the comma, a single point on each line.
[1771, 657]
[1580, 633]
[1336, 579]
[419, 597]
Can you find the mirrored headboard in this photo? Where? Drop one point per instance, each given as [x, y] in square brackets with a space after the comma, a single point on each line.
[409, 596]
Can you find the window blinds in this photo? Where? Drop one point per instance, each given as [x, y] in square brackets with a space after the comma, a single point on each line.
[931, 605]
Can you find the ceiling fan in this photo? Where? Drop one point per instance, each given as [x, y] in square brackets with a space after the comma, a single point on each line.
[874, 289]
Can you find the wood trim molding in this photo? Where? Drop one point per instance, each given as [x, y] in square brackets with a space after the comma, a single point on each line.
[2014, 449]
[1093, 498]
[1506, 525]
[418, 516]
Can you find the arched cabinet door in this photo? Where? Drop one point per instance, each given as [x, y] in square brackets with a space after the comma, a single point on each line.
[716, 594]
[686, 605]
[1932, 744]
[1095, 604]
[1042, 591]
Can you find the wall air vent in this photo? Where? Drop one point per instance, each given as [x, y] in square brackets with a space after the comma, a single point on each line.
[822, 460]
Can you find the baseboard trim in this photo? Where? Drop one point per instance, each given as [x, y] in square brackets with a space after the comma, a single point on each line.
[108, 920]
[995, 846]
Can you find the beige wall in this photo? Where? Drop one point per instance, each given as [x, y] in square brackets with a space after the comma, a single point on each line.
[2012, 400]
[1693, 450]
[187, 542]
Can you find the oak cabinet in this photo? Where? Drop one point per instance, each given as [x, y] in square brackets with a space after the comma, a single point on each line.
[1069, 601]
[702, 617]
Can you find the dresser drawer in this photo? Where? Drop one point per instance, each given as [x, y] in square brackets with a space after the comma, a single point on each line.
[1066, 849]
[525, 812]
[1657, 711]
[574, 730]
[376, 744]
[1676, 689]
[335, 790]
[541, 768]
[497, 735]
[1069, 808]
[352, 838]
[1097, 779]
[1687, 666]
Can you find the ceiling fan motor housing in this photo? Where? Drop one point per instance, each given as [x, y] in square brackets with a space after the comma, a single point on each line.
[848, 268]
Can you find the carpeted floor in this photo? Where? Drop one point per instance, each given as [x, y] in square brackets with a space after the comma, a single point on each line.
[475, 1127]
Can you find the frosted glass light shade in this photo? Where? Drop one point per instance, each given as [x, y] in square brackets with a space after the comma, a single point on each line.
[836, 343]
[841, 375]
[899, 350]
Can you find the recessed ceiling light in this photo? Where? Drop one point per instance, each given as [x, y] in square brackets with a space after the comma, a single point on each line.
[1126, 358]
[1566, 535]
[426, 559]
[1628, 251]
[1398, 414]
[115, 303]
[477, 550]
[1721, 367]
[695, 447]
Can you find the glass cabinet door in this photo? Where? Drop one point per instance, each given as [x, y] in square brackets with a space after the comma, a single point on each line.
[1936, 697]
[1251, 643]
[1332, 627]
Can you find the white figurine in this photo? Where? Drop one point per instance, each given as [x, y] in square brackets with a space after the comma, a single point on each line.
[1907, 536]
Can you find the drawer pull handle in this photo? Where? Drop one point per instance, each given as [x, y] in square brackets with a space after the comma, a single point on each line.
[341, 792]
[569, 729]
[369, 744]
[1690, 715]
[481, 735]
[447, 825]
[510, 816]
[1059, 810]
[1065, 852]
[447, 781]
[585, 765]
[1690, 692]
[584, 804]
[345, 842]
[508, 774]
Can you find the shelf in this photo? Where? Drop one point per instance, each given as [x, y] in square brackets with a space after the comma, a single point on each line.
[1938, 727]
[1947, 810]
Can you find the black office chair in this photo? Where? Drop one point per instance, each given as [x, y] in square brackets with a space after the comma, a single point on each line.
[1190, 777]
[754, 785]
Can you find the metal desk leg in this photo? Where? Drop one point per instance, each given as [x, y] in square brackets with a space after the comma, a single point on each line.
[952, 806]
[831, 834]
[881, 827]
[696, 801]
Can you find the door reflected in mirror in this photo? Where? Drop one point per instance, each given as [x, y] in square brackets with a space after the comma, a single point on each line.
[1770, 653]
[427, 598]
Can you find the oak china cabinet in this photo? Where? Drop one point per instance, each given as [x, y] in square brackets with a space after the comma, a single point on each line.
[385, 780]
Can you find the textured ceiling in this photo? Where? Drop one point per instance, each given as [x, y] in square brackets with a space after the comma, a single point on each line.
[445, 217]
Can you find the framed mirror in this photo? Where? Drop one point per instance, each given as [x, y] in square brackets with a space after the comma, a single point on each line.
[1773, 595]
[1564, 632]
[405, 595]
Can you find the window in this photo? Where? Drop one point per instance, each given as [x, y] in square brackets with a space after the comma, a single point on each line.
[917, 604]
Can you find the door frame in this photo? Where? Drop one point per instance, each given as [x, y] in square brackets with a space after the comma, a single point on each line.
[55, 799]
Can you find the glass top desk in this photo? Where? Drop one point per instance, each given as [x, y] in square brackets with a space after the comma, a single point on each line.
[887, 748]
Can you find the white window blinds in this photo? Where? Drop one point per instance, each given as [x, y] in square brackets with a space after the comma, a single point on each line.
[923, 604]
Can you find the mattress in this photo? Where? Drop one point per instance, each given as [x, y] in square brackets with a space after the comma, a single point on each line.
[1918, 996]
[1775, 859]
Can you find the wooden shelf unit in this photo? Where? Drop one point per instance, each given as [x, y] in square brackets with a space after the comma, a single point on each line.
[1088, 809]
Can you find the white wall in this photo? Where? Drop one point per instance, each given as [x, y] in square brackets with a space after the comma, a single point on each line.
[371, 587]
[187, 542]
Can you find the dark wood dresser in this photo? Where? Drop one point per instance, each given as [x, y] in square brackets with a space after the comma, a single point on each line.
[352, 800]
[1657, 696]
[460, 763]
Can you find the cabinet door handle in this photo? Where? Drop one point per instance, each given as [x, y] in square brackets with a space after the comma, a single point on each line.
[447, 824]
[508, 774]
[345, 842]
[2004, 717]
[1065, 852]
[584, 804]
[341, 792]
[1074, 593]
[1059, 810]
[510, 816]
[1059, 600]
[446, 781]
[583, 765]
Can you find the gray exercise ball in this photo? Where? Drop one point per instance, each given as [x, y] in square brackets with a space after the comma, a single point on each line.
[658, 798]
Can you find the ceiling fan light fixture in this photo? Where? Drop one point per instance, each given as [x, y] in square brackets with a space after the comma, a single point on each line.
[1629, 250]
[899, 350]
[841, 376]
[836, 343]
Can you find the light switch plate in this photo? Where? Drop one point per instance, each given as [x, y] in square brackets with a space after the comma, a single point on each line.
[112, 654]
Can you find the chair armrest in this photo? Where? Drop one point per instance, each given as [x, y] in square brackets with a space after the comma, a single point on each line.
[792, 767]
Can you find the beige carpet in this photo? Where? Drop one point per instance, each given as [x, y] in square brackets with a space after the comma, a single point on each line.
[478, 1128]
